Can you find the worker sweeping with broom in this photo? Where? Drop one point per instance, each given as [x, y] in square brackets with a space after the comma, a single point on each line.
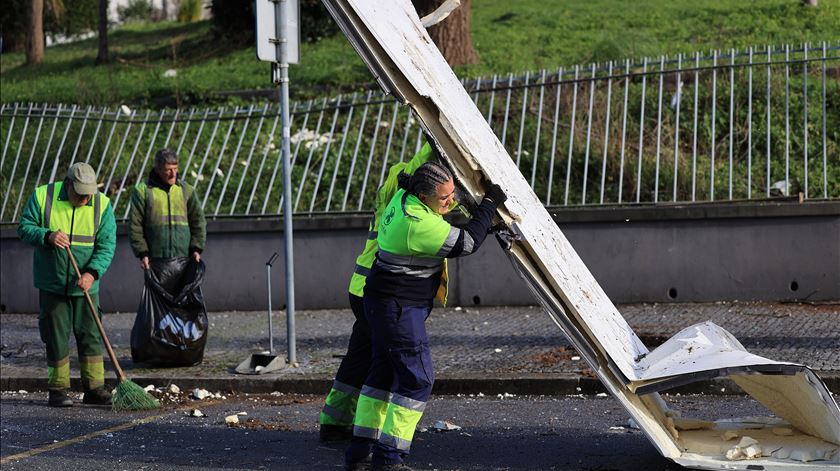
[70, 214]
[66, 222]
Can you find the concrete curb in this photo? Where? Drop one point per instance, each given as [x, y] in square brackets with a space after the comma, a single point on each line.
[532, 384]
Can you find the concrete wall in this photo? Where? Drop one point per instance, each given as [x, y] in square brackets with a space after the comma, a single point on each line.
[756, 251]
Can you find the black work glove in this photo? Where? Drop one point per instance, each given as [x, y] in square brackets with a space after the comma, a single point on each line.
[495, 194]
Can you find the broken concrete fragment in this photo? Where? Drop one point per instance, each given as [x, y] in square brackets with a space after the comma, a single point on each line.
[747, 441]
[444, 426]
[232, 419]
[746, 449]
[196, 413]
[200, 394]
[752, 452]
[729, 435]
[173, 389]
[802, 455]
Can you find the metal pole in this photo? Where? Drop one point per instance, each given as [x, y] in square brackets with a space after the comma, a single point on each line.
[268, 286]
[281, 75]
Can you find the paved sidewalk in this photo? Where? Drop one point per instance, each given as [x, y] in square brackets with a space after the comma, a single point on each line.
[475, 349]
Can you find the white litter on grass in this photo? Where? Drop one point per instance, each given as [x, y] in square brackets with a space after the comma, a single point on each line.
[219, 172]
[170, 73]
[125, 109]
[232, 419]
[444, 426]
[200, 394]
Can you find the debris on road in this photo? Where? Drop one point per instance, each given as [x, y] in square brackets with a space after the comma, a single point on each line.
[200, 394]
[747, 449]
[231, 420]
[173, 389]
[196, 413]
[444, 426]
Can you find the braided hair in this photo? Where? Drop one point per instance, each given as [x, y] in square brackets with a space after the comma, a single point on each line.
[424, 180]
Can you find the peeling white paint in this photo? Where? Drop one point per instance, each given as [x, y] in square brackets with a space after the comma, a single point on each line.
[405, 62]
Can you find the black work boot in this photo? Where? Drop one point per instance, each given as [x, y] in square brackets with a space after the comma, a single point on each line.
[59, 398]
[98, 396]
[335, 433]
[362, 465]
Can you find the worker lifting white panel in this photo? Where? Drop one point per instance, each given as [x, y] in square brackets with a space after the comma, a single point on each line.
[804, 432]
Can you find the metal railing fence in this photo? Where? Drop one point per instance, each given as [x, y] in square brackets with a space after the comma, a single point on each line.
[725, 125]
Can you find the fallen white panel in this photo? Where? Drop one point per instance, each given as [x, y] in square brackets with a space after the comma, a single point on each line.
[397, 49]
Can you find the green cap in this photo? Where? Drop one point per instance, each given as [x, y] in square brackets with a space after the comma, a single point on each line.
[83, 178]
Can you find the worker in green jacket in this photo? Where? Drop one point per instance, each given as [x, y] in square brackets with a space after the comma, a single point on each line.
[336, 418]
[166, 219]
[70, 214]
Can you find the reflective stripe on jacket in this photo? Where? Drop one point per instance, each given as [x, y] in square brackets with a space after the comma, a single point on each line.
[365, 260]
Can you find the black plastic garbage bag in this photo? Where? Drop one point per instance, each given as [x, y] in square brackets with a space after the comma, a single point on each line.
[171, 324]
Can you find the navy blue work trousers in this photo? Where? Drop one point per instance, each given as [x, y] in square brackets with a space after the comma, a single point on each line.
[401, 364]
[355, 365]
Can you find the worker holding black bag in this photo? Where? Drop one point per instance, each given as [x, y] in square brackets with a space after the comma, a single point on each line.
[168, 232]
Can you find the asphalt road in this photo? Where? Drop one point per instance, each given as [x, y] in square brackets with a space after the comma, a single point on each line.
[280, 432]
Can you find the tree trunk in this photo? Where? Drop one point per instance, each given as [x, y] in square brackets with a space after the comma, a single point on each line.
[452, 35]
[102, 55]
[164, 10]
[810, 3]
[35, 33]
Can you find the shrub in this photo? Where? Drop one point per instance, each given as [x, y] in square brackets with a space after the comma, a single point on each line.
[190, 10]
[135, 10]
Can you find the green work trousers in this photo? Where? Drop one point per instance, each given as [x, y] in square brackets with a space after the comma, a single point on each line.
[58, 317]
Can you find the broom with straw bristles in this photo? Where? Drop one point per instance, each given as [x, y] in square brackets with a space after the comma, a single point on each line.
[128, 396]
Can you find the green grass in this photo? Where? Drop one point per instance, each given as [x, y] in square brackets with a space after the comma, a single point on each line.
[509, 37]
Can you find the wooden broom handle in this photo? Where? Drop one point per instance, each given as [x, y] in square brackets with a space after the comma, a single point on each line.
[120, 374]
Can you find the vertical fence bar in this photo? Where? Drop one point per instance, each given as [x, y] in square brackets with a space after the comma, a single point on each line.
[571, 137]
[588, 134]
[787, 120]
[108, 141]
[312, 147]
[122, 146]
[204, 120]
[233, 158]
[714, 121]
[198, 174]
[805, 112]
[606, 131]
[537, 139]
[121, 188]
[29, 163]
[694, 127]
[145, 158]
[388, 144]
[96, 131]
[623, 129]
[186, 130]
[61, 144]
[81, 133]
[824, 134]
[731, 115]
[749, 124]
[17, 159]
[769, 60]
[522, 119]
[326, 155]
[554, 135]
[171, 128]
[9, 135]
[370, 156]
[658, 128]
[408, 120]
[355, 152]
[677, 128]
[344, 134]
[299, 134]
[248, 160]
[46, 154]
[492, 100]
[215, 171]
[507, 108]
[268, 147]
[641, 131]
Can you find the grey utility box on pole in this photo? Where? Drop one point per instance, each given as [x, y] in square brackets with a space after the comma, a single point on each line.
[278, 42]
